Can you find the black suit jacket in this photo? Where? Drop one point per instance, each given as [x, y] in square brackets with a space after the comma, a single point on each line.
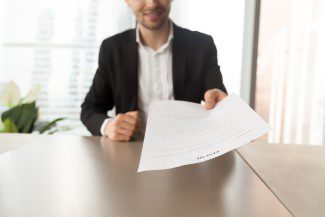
[195, 70]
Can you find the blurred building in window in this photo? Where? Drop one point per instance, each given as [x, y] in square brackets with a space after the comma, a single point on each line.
[55, 44]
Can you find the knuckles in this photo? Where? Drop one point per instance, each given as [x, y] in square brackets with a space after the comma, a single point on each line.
[112, 131]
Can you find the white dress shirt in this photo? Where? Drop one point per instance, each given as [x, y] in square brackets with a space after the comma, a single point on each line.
[155, 77]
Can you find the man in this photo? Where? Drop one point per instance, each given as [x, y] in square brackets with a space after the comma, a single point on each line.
[156, 61]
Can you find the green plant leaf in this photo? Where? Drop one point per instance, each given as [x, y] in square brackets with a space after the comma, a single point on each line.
[23, 116]
[50, 125]
[53, 131]
[9, 127]
[39, 125]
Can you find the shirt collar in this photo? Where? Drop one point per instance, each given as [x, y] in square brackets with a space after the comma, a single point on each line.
[170, 37]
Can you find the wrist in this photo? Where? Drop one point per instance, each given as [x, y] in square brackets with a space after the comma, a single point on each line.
[104, 125]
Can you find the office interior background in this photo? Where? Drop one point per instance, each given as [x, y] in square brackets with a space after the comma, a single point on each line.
[54, 45]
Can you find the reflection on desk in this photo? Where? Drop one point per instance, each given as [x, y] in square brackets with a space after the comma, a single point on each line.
[93, 176]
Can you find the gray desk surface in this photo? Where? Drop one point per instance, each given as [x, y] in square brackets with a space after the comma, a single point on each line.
[294, 173]
[10, 141]
[92, 176]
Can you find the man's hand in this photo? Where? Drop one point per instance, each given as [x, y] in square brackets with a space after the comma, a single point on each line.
[212, 97]
[123, 126]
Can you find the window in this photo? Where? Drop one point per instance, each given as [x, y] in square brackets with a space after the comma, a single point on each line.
[55, 44]
[290, 78]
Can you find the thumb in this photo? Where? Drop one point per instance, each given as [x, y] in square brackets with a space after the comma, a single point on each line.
[212, 97]
[209, 98]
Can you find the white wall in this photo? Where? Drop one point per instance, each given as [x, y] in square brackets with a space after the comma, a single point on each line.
[224, 21]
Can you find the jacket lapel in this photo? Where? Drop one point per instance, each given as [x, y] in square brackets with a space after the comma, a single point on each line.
[179, 66]
[131, 74]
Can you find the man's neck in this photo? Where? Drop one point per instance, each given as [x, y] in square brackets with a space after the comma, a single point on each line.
[155, 38]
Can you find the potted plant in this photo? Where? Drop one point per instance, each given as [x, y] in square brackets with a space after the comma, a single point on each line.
[21, 114]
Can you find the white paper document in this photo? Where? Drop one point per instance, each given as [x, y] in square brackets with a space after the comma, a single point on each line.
[180, 133]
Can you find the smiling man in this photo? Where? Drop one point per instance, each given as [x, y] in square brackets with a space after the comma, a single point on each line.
[156, 61]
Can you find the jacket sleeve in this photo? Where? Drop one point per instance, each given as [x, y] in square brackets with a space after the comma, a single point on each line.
[99, 100]
[213, 76]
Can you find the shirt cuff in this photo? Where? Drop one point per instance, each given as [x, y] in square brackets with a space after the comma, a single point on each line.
[102, 128]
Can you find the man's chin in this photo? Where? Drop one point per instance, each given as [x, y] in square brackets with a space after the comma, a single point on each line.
[153, 26]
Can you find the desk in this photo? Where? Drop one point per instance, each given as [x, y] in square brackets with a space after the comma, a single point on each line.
[91, 176]
[10, 141]
[294, 173]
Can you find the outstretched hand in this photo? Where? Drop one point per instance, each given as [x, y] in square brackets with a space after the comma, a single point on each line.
[212, 97]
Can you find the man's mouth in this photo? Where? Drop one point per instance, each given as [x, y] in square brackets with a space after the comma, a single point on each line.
[153, 14]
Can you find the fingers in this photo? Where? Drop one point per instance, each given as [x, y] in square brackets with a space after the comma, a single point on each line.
[132, 118]
[123, 126]
[116, 133]
[120, 138]
[136, 115]
[128, 126]
[124, 132]
[212, 97]
[127, 118]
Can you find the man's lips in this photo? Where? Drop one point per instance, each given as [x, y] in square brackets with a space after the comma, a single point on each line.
[153, 14]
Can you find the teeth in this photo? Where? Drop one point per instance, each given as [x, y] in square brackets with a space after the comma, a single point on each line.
[153, 13]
